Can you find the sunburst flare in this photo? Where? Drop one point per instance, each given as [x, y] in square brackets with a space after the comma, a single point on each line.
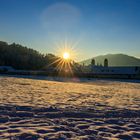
[66, 55]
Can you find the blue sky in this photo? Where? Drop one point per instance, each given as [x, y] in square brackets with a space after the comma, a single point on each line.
[96, 26]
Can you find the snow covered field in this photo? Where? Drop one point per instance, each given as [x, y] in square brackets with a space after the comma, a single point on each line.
[41, 109]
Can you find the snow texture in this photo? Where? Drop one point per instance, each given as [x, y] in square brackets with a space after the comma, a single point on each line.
[33, 109]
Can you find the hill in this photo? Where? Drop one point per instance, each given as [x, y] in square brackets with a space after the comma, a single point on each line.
[20, 57]
[115, 60]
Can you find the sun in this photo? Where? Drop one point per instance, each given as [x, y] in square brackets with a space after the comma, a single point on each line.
[66, 55]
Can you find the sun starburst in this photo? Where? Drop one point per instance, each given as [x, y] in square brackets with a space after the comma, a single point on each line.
[66, 55]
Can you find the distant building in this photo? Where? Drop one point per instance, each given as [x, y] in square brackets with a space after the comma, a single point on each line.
[132, 70]
[115, 70]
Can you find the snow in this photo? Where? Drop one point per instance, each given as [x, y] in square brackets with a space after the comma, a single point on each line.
[74, 110]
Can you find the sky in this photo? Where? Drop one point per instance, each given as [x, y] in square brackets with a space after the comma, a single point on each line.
[91, 27]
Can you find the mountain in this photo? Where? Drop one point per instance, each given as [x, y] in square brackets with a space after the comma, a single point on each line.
[114, 60]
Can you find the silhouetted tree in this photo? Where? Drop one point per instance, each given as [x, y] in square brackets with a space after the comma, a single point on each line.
[93, 62]
[20, 57]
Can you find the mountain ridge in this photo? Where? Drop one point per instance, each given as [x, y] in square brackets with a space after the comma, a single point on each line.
[114, 60]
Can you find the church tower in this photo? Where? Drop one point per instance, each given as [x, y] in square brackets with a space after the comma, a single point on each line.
[106, 62]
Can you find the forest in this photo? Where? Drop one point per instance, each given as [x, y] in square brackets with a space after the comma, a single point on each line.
[21, 57]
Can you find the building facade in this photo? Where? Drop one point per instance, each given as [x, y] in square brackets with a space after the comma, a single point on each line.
[95, 69]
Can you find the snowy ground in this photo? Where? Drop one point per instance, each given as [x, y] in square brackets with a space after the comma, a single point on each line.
[41, 109]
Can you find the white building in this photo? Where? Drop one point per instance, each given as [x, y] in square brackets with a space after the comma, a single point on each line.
[115, 70]
[132, 70]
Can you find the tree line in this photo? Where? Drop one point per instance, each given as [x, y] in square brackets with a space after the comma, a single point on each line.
[21, 57]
